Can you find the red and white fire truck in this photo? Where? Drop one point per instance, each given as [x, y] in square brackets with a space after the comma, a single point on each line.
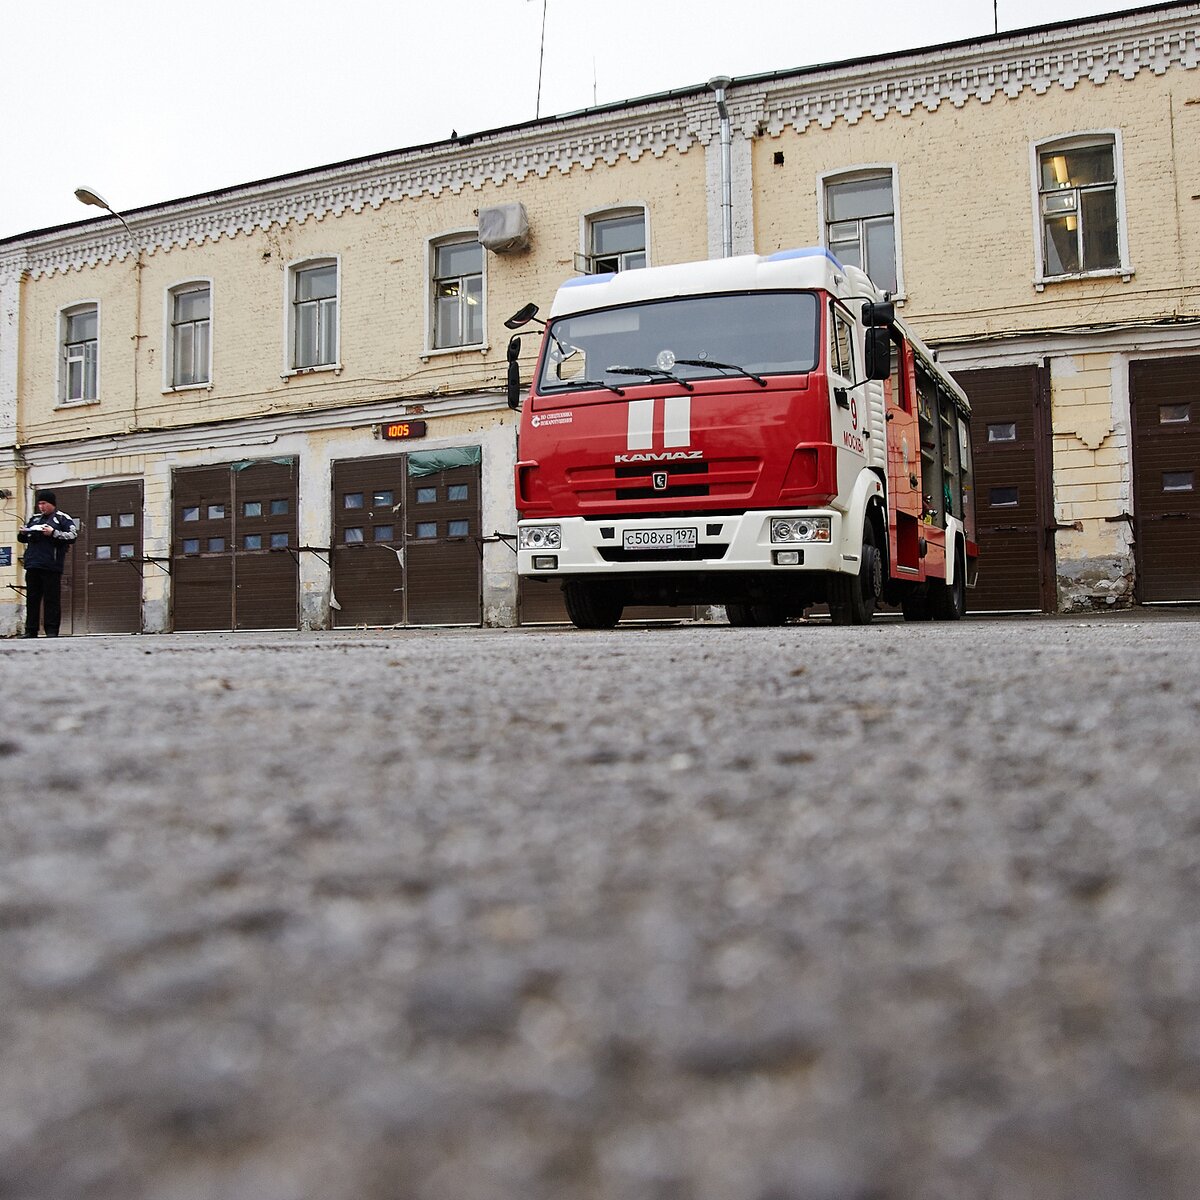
[758, 432]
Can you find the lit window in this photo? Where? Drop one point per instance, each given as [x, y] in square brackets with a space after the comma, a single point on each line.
[616, 242]
[81, 354]
[457, 294]
[860, 225]
[314, 315]
[381, 499]
[191, 307]
[1077, 201]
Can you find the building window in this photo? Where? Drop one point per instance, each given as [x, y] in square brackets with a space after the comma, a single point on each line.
[314, 315]
[1079, 206]
[191, 312]
[615, 242]
[81, 354]
[457, 294]
[860, 224]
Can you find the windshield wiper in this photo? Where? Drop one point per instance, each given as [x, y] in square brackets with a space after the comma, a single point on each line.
[588, 383]
[650, 373]
[722, 366]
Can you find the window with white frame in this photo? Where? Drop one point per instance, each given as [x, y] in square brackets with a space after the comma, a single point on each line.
[80, 354]
[457, 294]
[1079, 206]
[860, 224]
[616, 241]
[190, 306]
[314, 302]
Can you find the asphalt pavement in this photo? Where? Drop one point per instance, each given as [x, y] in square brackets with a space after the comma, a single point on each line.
[903, 912]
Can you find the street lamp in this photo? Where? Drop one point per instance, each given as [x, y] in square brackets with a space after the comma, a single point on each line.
[86, 196]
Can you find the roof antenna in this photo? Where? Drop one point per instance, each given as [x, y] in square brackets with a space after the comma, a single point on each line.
[996, 14]
[537, 112]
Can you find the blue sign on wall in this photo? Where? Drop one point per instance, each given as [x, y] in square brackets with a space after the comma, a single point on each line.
[5, 556]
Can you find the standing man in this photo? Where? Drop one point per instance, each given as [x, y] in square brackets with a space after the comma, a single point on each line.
[48, 535]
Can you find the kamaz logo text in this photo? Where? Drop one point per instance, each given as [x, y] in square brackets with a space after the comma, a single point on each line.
[643, 426]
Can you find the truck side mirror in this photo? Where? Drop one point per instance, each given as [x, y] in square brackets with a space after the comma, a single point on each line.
[522, 316]
[879, 312]
[878, 345]
[514, 373]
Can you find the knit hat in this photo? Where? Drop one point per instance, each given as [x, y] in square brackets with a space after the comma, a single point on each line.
[49, 498]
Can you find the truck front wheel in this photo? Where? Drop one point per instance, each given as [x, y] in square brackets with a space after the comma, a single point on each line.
[852, 598]
[592, 605]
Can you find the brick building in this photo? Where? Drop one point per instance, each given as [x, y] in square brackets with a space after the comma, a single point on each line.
[209, 387]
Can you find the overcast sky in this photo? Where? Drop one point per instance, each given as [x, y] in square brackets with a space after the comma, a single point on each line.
[146, 101]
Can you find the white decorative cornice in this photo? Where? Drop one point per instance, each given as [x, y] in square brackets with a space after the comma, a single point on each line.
[1037, 61]
[1153, 40]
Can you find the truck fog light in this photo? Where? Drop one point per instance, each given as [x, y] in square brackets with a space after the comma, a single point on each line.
[788, 558]
[545, 562]
[539, 537]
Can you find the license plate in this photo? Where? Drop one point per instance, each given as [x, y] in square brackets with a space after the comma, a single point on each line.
[660, 539]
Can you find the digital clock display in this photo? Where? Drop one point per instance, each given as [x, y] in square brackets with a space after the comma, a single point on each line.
[396, 431]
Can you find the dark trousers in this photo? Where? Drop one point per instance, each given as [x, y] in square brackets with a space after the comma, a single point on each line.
[43, 595]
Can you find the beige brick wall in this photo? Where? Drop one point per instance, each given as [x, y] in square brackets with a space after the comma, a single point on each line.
[966, 208]
[383, 255]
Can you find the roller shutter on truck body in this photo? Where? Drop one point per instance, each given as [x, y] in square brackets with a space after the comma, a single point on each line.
[1165, 398]
[1011, 445]
[102, 574]
[235, 546]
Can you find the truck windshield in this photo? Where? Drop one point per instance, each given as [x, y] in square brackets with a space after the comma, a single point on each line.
[696, 337]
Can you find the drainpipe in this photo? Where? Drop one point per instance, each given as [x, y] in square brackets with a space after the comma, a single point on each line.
[718, 84]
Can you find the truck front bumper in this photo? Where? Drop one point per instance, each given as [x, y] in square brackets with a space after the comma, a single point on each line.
[741, 542]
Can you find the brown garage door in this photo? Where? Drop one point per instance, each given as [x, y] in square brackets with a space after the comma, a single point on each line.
[1010, 438]
[234, 546]
[102, 576]
[1165, 395]
[407, 539]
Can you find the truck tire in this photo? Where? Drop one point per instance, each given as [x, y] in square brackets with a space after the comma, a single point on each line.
[592, 605]
[852, 598]
[949, 602]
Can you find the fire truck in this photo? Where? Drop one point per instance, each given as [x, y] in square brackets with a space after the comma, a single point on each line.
[757, 432]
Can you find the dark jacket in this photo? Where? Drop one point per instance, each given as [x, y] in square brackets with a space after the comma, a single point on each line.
[44, 551]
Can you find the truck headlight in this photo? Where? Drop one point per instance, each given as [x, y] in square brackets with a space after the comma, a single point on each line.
[800, 529]
[539, 537]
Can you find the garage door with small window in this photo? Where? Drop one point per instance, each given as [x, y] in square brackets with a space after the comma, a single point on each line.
[1165, 396]
[1011, 445]
[102, 575]
[234, 546]
[407, 539]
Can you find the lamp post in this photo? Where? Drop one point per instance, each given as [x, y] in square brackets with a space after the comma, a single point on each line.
[86, 195]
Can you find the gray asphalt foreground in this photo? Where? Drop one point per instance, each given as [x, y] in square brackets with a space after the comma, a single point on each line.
[692, 913]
